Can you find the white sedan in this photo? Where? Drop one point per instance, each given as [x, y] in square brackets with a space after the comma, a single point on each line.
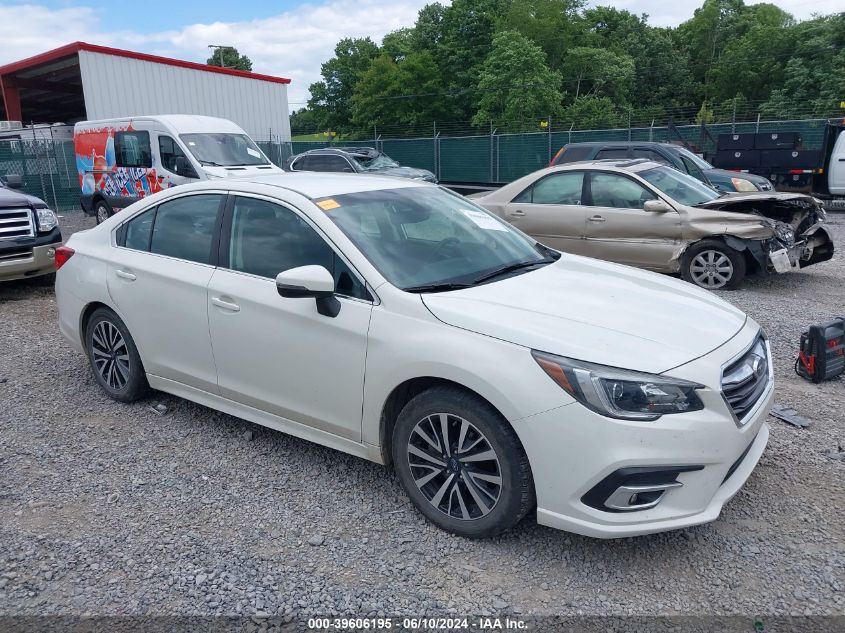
[399, 322]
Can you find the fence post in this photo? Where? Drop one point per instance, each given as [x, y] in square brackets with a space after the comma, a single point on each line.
[733, 118]
[629, 126]
[550, 138]
[651, 131]
[570, 131]
[491, 151]
[375, 136]
[758, 123]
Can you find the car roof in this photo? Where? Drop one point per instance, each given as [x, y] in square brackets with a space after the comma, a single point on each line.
[313, 184]
[354, 151]
[664, 144]
[627, 164]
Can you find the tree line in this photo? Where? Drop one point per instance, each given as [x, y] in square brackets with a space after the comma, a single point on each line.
[518, 63]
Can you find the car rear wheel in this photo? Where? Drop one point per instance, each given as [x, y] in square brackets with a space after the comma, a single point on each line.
[713, 265]
[461, 463]
[114, 357]
[102, 211]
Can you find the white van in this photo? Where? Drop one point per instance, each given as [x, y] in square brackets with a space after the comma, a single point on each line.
[120, 161]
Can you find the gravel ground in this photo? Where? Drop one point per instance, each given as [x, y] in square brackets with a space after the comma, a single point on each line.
[111, 509]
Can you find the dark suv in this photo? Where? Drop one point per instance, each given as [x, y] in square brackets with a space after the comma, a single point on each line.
[361, 160]
[29, 235]
[668, 154]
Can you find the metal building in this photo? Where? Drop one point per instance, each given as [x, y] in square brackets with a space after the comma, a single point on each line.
[83, 81]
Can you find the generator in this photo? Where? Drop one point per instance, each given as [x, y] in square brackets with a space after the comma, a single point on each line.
[822, 353]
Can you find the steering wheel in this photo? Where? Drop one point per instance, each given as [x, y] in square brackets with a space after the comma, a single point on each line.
[435, 254]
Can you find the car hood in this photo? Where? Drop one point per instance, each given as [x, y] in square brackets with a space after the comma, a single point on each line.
[754, 196]
[595, 311]
[10, 198]
[213, 172]
[403, 172]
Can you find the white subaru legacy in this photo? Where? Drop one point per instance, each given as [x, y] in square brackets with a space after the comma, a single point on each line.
[397, 321]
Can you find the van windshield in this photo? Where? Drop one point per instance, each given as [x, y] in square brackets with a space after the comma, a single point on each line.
[224, 150]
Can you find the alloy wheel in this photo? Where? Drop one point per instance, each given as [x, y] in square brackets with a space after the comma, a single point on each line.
[711, 269]
[454, 466]
[111, 355]
[102, 213]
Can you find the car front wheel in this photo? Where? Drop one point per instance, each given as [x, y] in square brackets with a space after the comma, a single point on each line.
[102, 211]
[114, 357]
[714, 265]
[461, 463]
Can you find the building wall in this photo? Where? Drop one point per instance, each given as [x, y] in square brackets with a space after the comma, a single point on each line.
[119, 86]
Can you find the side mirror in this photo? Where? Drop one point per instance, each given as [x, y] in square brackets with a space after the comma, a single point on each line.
[14, 181]
[656, 206]
[310, 281]
[182, 165]
[304, 282]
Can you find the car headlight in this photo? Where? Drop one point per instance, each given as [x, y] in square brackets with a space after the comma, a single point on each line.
[46, 220]
[620, 393]
[741, 184]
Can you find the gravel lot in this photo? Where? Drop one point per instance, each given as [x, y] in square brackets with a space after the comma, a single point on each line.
[111, 509]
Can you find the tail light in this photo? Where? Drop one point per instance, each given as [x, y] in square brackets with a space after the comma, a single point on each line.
[560, 152]
[63, 253]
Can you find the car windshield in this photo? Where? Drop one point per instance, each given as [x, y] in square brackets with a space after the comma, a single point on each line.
[681, 187]
[428, 239]
[224, 150]
[696, 160]
[381, 161]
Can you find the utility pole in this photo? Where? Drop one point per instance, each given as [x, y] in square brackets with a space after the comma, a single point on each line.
[219, 48]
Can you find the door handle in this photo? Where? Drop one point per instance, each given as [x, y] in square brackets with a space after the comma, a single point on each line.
[518, 213]
[123, 274]
[225, 305]
[597, 218]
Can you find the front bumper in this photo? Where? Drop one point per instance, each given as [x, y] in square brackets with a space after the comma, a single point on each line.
[29, 258]
[572, 450]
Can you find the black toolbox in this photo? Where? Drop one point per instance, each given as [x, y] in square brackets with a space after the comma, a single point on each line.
[777, 140]
[737, 159]
[735, 141]
[791, 158]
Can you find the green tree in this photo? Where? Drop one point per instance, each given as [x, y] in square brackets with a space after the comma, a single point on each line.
[331, 98]
[593, 113]
[597, 72]
[554, 25]
[515, 84]
[229, 57]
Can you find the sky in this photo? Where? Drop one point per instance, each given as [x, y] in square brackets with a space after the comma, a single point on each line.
[286, 38]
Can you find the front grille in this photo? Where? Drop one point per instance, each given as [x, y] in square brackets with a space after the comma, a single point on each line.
[16, 223]
[745, 380]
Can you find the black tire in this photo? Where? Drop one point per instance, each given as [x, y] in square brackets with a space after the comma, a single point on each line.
[713, 265]
[515, 496]
[102, 211]
[127, 381]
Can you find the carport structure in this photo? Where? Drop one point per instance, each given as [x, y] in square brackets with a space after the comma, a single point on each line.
[84, 81]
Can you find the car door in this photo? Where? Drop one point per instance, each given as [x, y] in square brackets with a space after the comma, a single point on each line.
[550, 211]
[158, 280]
[619, 230]
[277, 354]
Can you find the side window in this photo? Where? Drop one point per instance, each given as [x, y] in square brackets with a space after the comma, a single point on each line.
[138, 231]
[132, 149]
[612, 152]
[327, 162]
[562, 188]
[615, 190]
[267, 239]
[650, 154]
[693, 169]
[173, 159]
[184, 227]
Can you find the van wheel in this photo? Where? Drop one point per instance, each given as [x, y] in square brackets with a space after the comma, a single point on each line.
[461, 463]
[102, 211]
[714, 265]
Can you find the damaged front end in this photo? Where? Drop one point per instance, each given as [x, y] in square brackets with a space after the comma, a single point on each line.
[798, 237]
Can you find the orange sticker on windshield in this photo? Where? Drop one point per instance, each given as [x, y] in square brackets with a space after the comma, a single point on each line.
[328, 204]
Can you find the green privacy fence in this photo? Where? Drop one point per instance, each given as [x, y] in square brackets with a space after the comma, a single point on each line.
[500, 158]
[48, 167]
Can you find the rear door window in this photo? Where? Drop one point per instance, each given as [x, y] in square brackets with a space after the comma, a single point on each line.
[184, 228]
[132, 149]
[652, 155]
[327, 162]
[560, 188]
[612, 152]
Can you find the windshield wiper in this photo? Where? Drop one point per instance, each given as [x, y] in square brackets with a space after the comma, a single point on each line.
[436, 287]
[511, 268]
[210, 163]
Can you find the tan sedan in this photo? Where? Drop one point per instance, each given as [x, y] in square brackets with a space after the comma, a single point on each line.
[644, 214]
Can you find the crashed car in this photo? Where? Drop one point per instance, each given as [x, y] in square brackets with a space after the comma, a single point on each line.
[360, 160]
[645, 214]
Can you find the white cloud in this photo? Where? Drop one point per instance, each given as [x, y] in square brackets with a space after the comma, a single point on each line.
[292, 44]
